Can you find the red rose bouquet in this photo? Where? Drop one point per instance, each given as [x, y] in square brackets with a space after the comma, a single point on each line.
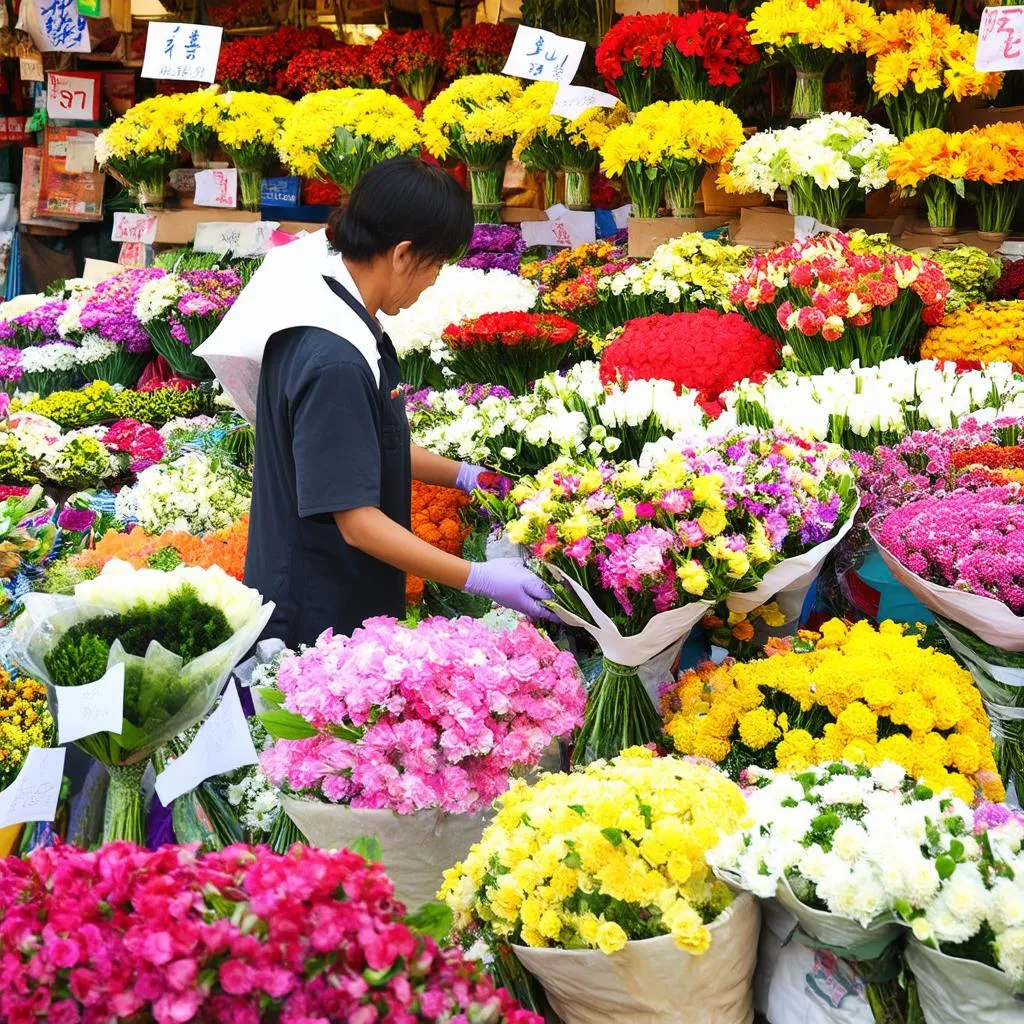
[711, 57]
[413, 59]
[241, 935]
[316, 70]
[707, 352]
[631, 53]
[836, 298]
[511, 349]
[480, 49]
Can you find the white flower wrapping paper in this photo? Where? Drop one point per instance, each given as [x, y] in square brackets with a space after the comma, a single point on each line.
[955, 991]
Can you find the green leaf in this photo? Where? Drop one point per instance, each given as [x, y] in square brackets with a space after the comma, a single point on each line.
[286, 725]
[368, 847]
[956, 849]
[272, 695]
[349, 735]
[433, 919]
[958, 185]
[613, 835]
[945, 866]
[579, 809]
[345, 143]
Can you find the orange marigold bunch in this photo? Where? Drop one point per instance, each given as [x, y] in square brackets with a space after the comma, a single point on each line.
[436, 518]
[225, 548]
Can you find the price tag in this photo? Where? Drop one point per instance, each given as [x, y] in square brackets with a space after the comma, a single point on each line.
[185, 53]
[73, 95]
[134, 227]
[222, 744]
[240, 239]
[91, 708]
[543, 56]
[30, 69]
[573, 100]
[218, 187]
[33, 795]
[1000, 39]
[621, 215]
[572, 228]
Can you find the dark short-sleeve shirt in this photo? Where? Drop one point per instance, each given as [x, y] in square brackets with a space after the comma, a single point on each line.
[328, 439]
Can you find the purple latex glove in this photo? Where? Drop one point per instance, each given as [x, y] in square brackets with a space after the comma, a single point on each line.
[468, 477]
[506, 581]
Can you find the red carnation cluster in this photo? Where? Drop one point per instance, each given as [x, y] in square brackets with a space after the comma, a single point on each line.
[315, 70]
[1011, 282]
[511, 330]
[720, 41]
[707, 352]
[259, 62]
[320, 193]
[233, 937]
[639, 39]
[480, 49]
[402, 56]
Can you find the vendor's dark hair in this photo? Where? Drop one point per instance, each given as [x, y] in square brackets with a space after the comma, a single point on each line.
[403, 200]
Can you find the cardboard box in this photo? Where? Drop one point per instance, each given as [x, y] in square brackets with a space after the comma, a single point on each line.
[646, 234]
[764, 227]
[922, 238]
[718, 201]
[964, 116]
[178, 227]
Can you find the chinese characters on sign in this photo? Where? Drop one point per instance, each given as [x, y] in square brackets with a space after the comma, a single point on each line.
[73, 95]
[186, 53]
[33, 795]
[217, 187]
[134, 227]
[573, 100]
[55, 25]
[567, 228]
[543, 56]
[1001, 39]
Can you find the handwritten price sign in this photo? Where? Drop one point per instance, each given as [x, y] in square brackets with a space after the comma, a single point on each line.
[91, 708]
[217, 187]
[33, 795]
[1000, 39]
[73, 95]
[134, 227]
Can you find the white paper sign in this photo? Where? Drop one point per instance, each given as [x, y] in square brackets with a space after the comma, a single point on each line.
[250, 238]
[621, 215]
[81, 155]
[134, 227]
[1000, 39]
[217, 187]
[807, 227]
[55, 25]
[186, 53]
[30, 69]
[91, 708]
[543, 56]
[71, 97]
[33, 795]
[572, 228]
[222, 744]
[573, 100]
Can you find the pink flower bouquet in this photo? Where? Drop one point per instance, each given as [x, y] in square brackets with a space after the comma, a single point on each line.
[402, 727]
[241, 936]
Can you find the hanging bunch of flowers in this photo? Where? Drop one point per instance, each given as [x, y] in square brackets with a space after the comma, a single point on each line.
[711, 56]
[474, 120]
[809, 34]
[923, 62]
[631, 53]
[479, 49]
[550, 143]
[412, 59]
[249, 130]
[316, 70]
[339, 134]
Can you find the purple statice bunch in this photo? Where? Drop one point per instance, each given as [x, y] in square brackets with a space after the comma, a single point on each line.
[495, 247]
[209, 294]
[110, 309]
[419, 401]
[921, 464]
[10, 364]
[474, 394]
[39, 325]
[966, 540]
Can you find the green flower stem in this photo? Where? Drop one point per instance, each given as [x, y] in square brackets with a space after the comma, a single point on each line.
[577, 189]
[485, 186]
[997, 206]
[910, 111]
[940, 202]
[645, 185]
[808, 95]
[250, 183]
[124, 817]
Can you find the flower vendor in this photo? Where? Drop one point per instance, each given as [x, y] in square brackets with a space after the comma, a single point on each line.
[329, 538]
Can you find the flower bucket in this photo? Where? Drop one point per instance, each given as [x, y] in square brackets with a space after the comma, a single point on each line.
[652, 981]
[9, 839]
[954, 991]
[416, 849]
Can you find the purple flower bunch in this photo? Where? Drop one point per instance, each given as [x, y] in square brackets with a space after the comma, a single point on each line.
[10, 364]
[967, 540]
[110, 309]
[36, 326]
[495, 247]
[208, 296]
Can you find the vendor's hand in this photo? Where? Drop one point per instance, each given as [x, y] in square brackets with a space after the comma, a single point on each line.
[506, 581]
[473, 478]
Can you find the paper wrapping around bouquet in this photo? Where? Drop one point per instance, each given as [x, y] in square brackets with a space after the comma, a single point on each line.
[789, 582]
[416, 849]
[955, 991]
[653, 981]
[987, 618]
[662, 632]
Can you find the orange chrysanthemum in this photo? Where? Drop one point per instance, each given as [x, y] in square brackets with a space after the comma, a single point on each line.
[436, 518]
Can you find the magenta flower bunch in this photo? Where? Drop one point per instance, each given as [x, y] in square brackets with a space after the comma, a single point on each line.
[36, 326]
[208, 295]
[966, 540]
[235, 937]
[431, 716]
[110, 310]
[10, 367]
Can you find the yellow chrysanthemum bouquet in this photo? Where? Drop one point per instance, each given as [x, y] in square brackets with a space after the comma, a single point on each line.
[475, 120]
[339, 134]
[923, 63]
[599, 858]
[810, 34]
[249, 130]
[667, 149]
[141, 147]
[200, 117]
[549, 143]
[850, 693]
